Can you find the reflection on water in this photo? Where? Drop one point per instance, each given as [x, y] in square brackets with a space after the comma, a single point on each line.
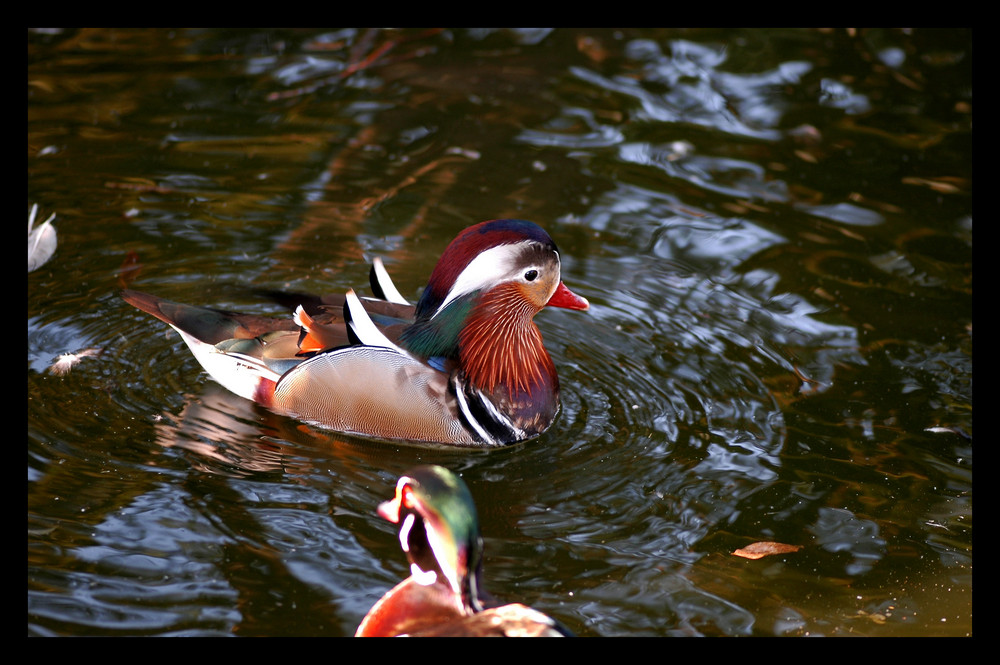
[774, 230]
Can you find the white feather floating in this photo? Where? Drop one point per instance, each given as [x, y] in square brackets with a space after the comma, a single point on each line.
[67, 361]
[41, 241]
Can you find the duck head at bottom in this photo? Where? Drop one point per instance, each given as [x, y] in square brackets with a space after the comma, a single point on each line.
[439, 531]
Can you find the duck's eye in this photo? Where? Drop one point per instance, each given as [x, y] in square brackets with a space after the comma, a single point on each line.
[531, 275]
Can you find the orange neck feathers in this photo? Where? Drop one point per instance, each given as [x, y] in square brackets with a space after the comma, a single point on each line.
[501, 345]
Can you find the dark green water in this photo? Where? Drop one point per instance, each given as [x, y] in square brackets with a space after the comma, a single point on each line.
[774, 228]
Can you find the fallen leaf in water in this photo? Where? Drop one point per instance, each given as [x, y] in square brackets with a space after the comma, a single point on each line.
[944, 184]
[66, 361]
[765, 548]
[954, 430]
[41, 241]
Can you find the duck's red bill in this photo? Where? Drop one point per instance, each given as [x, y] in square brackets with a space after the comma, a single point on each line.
[565, 298]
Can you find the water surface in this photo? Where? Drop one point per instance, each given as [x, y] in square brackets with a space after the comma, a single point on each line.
[774, 229]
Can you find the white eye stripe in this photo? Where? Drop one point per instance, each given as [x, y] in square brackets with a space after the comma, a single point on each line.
[495, 265]
[440, 549]
[404, 532]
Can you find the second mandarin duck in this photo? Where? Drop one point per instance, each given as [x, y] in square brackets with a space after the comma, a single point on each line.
[444, 595]
[466, 366]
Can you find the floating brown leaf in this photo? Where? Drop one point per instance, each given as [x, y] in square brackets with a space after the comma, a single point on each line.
[765, 548]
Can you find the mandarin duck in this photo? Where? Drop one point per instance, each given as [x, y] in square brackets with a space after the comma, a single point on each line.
[466, 366]
[444, 596]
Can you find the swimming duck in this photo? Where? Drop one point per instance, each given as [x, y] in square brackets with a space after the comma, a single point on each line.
[465, 366]
[444, 597]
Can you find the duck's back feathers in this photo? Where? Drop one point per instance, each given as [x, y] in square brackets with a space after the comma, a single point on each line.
[207, 324]
[514, 620]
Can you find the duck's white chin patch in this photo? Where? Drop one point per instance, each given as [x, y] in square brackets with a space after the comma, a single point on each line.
[422, 577]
